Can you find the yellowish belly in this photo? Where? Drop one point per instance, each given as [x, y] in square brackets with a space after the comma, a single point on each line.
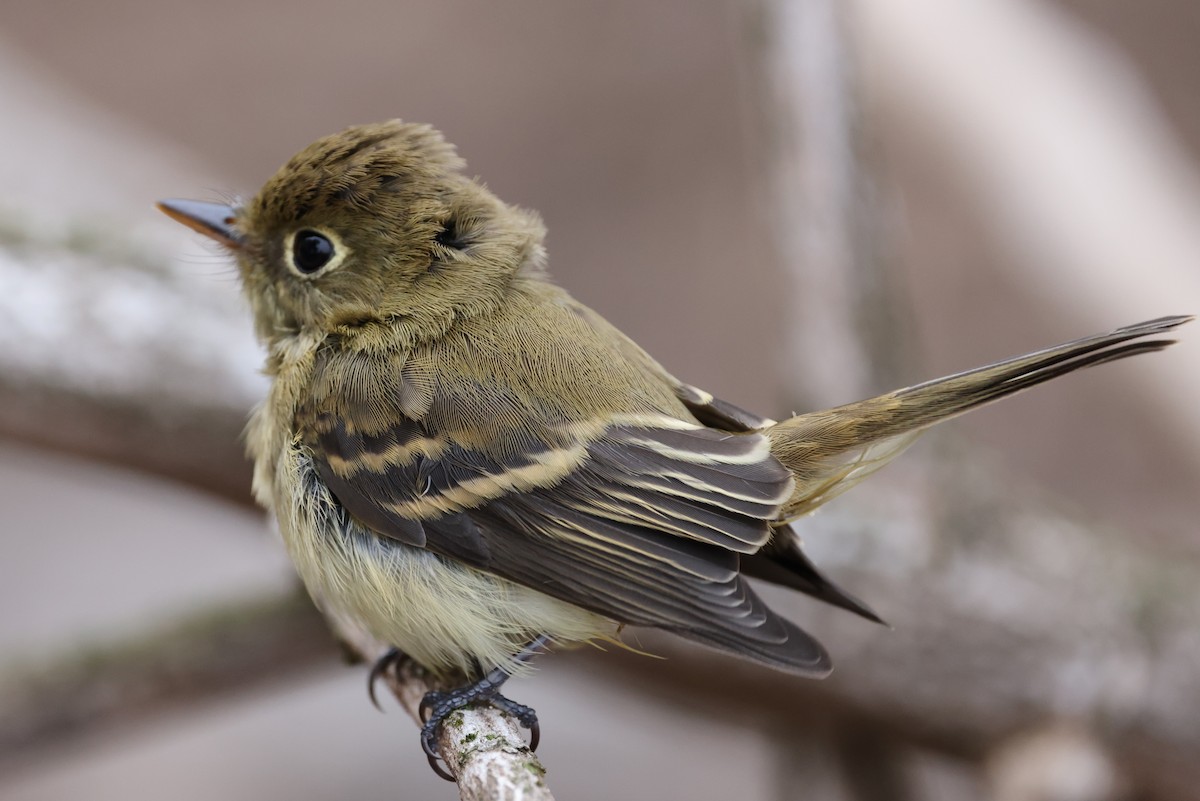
[443, 614]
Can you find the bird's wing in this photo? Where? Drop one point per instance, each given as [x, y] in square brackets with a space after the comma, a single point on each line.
[782, 560]
[717, 413]
[640, 518]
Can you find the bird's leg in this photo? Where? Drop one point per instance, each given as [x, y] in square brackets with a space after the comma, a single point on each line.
[438, 704]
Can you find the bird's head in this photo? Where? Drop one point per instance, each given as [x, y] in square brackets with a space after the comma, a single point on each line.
[375, 224]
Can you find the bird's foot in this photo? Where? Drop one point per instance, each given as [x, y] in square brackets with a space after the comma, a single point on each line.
[391, 660]
[436, 706]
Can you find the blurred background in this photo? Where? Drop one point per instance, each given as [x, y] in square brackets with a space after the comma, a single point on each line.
[790, 203]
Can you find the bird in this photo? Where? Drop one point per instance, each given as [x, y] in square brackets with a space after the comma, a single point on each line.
[476, 467]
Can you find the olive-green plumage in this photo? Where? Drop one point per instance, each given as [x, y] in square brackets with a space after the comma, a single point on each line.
[462, 457]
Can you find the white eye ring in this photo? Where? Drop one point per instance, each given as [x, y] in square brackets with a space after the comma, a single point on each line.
[312, 251]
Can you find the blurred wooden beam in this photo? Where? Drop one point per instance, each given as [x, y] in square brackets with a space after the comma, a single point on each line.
[845, 336]
[119, 684]
[112, 354]
[232, 649]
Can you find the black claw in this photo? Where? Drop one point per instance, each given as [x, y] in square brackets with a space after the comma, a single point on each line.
[390, 658]
[535, 734]
[436, 764]
[524, 714]
[429, 736]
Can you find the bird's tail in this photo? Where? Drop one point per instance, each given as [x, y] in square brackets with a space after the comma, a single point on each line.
[830, 451]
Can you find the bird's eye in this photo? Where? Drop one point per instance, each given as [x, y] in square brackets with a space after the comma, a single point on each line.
[452, 235]
[311, 251]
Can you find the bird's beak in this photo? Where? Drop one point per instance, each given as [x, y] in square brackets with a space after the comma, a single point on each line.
[214, 220]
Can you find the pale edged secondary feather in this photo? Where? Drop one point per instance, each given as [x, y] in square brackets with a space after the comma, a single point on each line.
[646, 529]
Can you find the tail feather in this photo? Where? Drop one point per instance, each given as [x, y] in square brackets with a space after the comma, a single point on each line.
[830, 451]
